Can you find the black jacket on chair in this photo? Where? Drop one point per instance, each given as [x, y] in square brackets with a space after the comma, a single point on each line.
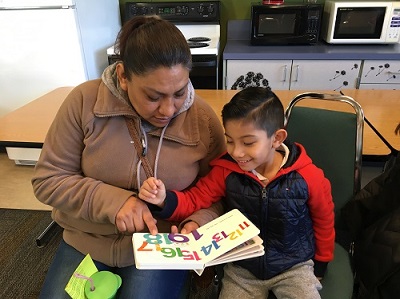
[374, 220]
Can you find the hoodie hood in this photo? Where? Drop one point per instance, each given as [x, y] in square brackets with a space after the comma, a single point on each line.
[110, 79]
[297, 159]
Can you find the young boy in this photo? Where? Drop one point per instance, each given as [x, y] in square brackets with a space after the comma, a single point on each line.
[274, 183]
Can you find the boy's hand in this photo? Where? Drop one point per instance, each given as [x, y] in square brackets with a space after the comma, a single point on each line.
[186, 229]
[153, 191]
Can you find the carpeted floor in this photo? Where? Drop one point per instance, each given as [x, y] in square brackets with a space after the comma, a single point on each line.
[24, 265]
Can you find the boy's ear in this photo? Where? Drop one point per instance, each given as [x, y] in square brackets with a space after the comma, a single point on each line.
[123, 81]
[280, 137]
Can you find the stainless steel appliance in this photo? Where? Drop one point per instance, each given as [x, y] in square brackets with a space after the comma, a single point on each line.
[51, 43]
[199, 23]
[285, 24]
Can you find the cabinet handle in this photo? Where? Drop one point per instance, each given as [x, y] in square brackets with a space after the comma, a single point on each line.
[296, 78]
[284, 73]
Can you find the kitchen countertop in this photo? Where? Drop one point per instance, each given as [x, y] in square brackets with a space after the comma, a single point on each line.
[238, 47]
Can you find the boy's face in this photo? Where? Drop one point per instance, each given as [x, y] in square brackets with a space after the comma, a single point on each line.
[251, 147]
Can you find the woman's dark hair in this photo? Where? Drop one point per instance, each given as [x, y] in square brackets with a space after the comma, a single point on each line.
[146, 43]
[257, 105]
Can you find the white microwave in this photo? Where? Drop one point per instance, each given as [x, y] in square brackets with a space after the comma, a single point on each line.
[361, 22]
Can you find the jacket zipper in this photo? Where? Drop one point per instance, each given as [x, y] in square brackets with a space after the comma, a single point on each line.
[263, 212]
[264, 193]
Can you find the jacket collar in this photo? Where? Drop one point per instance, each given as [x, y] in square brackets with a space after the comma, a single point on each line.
[296, 159]
[183, 128]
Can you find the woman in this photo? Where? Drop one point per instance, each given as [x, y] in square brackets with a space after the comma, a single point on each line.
[141, 119]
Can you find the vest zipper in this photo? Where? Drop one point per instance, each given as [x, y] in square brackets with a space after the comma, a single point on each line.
[263, 213]
[264, 193]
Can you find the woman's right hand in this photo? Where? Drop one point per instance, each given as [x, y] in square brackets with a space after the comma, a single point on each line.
[134, 215]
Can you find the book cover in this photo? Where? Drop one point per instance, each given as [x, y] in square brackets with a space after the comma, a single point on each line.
[227, 238]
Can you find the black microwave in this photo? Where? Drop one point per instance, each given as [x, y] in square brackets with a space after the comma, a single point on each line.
[285, 24]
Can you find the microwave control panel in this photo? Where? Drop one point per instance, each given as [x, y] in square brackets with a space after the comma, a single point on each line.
[393, 32]
[313, 21]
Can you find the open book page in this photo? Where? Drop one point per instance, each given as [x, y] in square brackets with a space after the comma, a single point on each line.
[251, 246]
[249, 249]
[195, 250]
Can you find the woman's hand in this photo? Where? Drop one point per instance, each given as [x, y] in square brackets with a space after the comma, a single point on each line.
[134, 215]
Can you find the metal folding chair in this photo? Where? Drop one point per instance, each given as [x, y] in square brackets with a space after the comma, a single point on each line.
[333, 138]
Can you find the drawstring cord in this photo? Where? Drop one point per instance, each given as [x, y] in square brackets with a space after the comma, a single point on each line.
[144, 152]
[158, 150]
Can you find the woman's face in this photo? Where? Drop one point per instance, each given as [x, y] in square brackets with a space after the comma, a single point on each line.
[158, 95]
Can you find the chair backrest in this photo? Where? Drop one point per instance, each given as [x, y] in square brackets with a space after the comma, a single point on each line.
[333, 139]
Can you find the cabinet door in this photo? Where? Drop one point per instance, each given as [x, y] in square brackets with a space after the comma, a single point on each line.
[381, 74]
[324, 74]
[244, 73]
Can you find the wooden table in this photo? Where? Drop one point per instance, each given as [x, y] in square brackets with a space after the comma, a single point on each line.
[381, 108]
[27, 126]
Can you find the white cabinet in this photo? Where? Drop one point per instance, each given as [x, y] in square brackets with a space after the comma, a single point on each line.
[243, 73]
[292, 74]
[324, 74]
[380, 74]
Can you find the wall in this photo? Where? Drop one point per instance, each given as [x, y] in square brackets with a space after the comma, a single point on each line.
[230, 10]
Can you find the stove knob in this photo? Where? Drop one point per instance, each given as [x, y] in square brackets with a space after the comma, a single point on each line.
[133, 11]
[184, 10]
[144, 11]
[200, 9]
[210, 9]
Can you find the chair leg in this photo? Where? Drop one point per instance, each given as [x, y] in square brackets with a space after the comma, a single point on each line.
[51, 230]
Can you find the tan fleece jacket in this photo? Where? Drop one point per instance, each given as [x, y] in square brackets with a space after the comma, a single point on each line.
[87, 168]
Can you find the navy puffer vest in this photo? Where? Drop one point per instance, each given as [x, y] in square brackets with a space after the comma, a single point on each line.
[281, 213]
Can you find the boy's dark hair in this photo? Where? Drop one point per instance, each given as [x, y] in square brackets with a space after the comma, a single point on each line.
[257, 105]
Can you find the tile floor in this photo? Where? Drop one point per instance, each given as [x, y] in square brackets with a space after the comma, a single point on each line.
[15, 186]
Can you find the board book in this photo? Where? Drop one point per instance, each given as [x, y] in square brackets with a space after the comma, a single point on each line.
[227, 238]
